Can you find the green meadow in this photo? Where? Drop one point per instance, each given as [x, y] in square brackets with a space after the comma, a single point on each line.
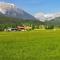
[30, 45]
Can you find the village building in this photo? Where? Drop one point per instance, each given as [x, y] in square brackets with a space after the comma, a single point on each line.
[10, 29]
[24, 28]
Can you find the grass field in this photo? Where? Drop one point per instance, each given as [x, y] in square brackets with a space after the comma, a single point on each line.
[32, 45]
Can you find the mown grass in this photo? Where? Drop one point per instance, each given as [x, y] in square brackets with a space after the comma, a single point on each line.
[32, 45]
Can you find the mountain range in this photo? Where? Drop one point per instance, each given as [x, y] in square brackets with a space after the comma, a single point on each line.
[9, 14]
[46, 16]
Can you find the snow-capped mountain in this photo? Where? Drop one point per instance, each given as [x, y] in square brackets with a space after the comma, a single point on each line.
[48, 16]
[11, 10]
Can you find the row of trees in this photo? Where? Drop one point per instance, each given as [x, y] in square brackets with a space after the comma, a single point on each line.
[6, 26]
[34, 26]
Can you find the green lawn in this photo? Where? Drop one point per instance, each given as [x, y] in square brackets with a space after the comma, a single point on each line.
[32, 45]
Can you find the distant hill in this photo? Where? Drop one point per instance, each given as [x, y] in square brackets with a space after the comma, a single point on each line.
[10, 20]
[55, 22]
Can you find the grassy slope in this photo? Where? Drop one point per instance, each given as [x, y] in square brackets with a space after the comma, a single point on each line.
[10, 20]
[34, 45]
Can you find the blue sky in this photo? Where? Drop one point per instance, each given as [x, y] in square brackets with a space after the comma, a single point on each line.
[34, 6]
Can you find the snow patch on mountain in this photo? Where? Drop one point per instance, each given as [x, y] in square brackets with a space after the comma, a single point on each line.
[2, 11]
